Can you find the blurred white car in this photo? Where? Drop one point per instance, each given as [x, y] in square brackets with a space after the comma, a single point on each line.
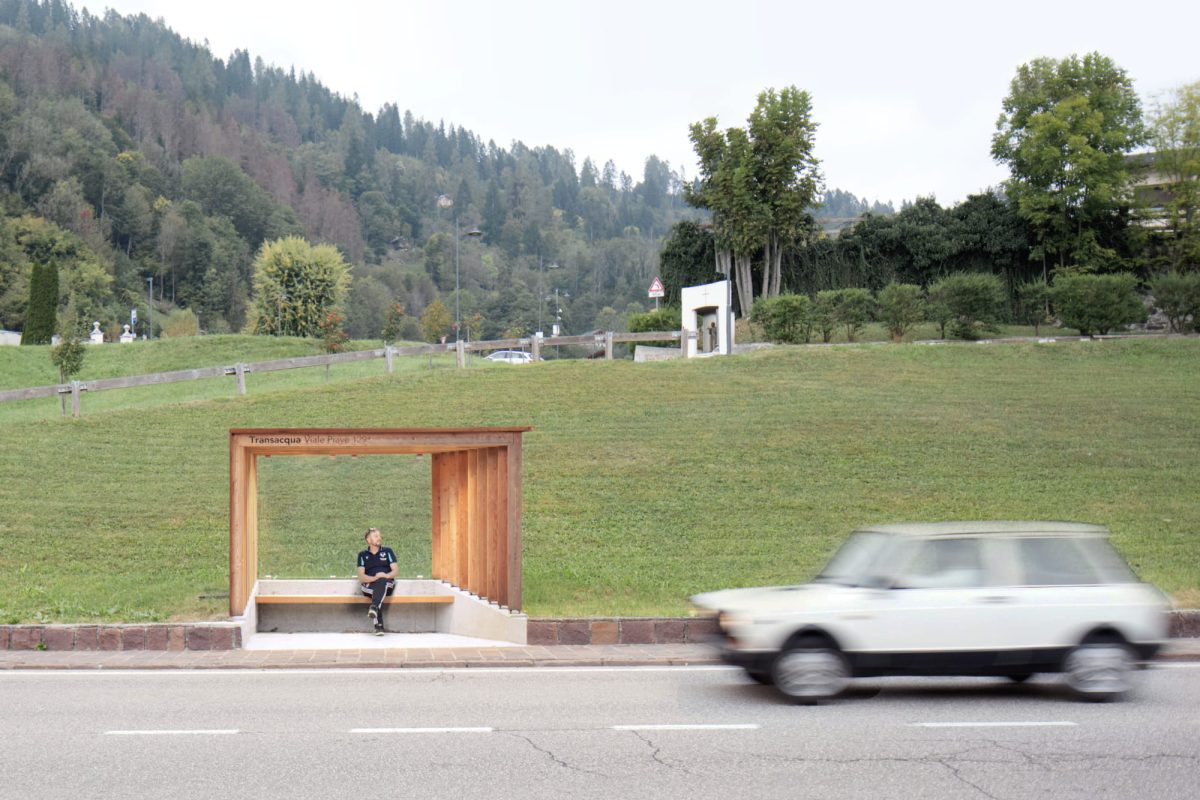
[511, 357]
[950, 598]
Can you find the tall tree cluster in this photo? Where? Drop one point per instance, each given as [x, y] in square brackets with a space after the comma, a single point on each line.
[758, 182]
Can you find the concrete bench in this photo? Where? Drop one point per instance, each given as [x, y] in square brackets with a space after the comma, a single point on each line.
[416, 606]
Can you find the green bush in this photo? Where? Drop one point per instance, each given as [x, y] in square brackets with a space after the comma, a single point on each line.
[854, 309]
[662, 319]
[974, 303]
[786, 318]
[825, 313]
[1033, 298]
[179, 322]
[901, 306]
[1178, 295]
[40, 317]
[1095, 304]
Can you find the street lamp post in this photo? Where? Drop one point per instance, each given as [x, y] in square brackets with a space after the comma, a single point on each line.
[150, 309]
[444, 201]
[542, 289]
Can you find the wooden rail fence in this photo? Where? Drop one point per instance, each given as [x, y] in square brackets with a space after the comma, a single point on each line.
[604, 340]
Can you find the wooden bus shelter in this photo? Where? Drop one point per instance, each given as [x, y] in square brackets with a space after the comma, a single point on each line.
[476, 489]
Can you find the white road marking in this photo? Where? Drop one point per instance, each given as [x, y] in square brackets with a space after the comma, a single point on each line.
[993, 724]
[421, 730]
[1177, 665]
[713, 727]
[173, 733]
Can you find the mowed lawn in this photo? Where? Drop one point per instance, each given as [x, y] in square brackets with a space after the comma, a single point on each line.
[644, 483]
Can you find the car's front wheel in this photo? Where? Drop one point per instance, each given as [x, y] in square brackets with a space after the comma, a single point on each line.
[1099, 670]
[810, 671]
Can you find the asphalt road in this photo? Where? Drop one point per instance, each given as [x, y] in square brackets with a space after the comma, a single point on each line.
[594, 732]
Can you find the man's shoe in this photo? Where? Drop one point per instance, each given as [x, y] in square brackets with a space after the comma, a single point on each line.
[372, 612]
[379, 629]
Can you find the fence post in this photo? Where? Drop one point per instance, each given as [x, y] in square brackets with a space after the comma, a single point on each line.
[536, 346]
[387, 355]
[460, 352]
[75, 399]
[240, 369]
[608, 345]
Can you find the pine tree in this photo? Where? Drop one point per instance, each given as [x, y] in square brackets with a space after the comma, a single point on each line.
[43, 304]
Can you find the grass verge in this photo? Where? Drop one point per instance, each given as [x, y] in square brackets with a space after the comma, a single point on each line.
[644, 483]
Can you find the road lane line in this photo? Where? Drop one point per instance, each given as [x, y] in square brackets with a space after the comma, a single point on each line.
[421, 730]
[1062, 724]
[713, 727]
[221, 732]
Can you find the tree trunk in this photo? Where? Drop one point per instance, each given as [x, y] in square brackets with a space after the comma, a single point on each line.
[745, 283]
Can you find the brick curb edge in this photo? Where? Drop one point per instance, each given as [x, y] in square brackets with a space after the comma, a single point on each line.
[1184, 623]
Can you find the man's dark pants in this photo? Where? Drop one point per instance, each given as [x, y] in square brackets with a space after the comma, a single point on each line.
[378, 590]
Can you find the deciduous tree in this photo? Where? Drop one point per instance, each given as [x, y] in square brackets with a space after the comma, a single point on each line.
[296, 286]
[1065, 128]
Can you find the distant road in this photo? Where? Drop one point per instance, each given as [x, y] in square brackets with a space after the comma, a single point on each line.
[584, 733]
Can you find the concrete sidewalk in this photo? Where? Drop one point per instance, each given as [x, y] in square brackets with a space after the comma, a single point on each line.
[411, 657]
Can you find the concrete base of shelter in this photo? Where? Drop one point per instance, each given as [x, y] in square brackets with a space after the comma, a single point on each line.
[468, 615]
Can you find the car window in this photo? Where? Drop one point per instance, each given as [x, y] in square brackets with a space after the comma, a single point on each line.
[945, 563]
[1104, 556]
[858, 559]
[1055, 561]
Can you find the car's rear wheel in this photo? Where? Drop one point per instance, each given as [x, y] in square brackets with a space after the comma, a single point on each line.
[1019, 677]
[810, 671]
[1100, 670]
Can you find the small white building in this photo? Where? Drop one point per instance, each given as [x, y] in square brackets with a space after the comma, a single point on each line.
[708, 318]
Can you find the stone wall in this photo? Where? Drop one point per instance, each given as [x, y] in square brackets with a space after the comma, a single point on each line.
[165, 636]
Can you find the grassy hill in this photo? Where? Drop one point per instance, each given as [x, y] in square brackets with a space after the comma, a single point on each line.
[27, 366]
[643, 483]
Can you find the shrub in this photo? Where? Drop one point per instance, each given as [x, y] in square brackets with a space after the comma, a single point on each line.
[333, 332]
[43, 304]
[1097, 303]
[901, 306]
[662, 319]
[786, 318]
[180, 322]
[1033, 298]
[1179, 298]
[68, 354]
[972, 302]
[825, 313]
[854, 307]
[393, 323]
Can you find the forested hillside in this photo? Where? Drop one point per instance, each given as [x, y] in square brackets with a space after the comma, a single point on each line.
[128, 153]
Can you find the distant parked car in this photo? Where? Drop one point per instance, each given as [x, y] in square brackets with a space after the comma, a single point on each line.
[1009, 599]
[511, 357]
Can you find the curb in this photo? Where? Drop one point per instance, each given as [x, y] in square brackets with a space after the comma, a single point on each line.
[542, 632]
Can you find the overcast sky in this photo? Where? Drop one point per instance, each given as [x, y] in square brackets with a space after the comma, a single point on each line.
[906, 94]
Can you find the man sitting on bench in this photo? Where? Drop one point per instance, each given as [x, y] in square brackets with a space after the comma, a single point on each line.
[377, 575]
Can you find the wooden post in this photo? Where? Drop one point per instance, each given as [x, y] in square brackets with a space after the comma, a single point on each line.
[240, 369]
[75, 399]
[535, 344]
[388, 353]
[460, 350]
[608, 345]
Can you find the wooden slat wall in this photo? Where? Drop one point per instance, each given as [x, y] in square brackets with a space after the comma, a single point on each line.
[470, 521]
[497, 527]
